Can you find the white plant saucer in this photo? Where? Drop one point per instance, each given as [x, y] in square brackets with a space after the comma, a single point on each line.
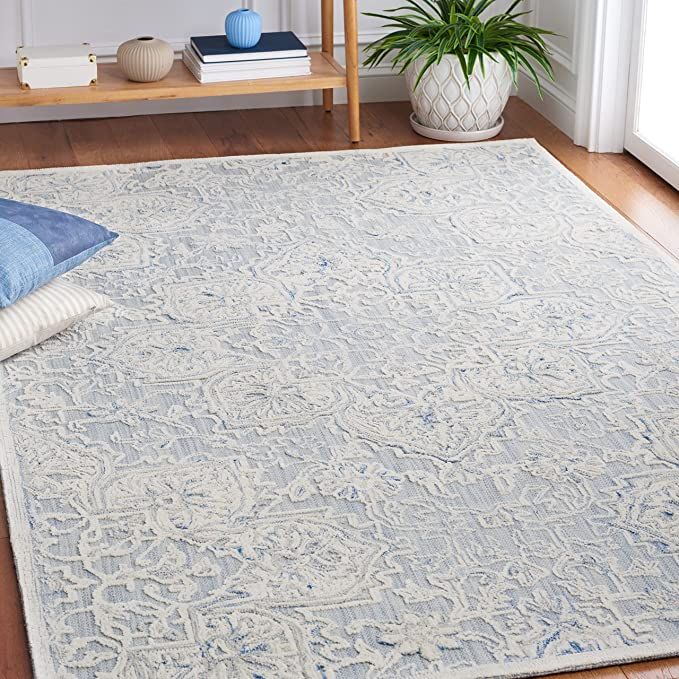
[448, 135]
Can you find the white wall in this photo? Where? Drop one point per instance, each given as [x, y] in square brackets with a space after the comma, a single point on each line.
[107, 23]
[559, 98]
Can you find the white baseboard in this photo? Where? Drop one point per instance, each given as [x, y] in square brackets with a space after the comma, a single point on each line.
[557, 105]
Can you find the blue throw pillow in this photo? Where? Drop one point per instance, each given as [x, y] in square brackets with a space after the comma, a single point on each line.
[38, 244]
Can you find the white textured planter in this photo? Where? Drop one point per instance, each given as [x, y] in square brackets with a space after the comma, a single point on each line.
[444, 103]
[145, 59]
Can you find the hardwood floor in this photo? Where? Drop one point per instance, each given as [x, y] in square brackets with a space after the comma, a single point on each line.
[630, 187]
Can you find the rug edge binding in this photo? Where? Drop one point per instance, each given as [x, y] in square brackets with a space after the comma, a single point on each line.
[21, 546]
[256, 156]
[542, 667]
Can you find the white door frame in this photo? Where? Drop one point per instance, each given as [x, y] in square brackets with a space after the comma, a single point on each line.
[605, 46]
[637, 145]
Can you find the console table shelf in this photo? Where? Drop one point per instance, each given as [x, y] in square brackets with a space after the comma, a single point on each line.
[113, 86]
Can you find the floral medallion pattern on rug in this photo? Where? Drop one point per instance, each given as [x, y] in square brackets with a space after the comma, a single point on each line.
[376, 415]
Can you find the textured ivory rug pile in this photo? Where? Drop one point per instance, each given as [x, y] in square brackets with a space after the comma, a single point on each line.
[384, 414]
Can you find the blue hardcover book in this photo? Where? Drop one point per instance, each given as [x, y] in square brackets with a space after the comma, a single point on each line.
[215, 48]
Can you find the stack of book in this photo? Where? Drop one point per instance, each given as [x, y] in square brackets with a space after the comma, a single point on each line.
[277, 55]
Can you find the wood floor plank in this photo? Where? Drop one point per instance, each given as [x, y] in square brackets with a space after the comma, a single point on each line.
[387, 124]
[85, 137]
[623, 181]
[321, 132]
[229, 133]
[274, 132]
[138, 140]
[12, 149]
[613, 672]
[15, 662]
[655, 669]
[4, 526]
[184, 136]
[45, 145]
[514, 127]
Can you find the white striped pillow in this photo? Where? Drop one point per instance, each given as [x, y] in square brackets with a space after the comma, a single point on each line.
[43, 313]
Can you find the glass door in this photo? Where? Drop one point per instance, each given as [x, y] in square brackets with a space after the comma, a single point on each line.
[652, 132]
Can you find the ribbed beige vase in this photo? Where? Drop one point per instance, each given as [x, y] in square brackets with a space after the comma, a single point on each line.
[145, 59]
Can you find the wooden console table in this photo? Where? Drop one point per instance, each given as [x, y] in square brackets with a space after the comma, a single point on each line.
[113, 86]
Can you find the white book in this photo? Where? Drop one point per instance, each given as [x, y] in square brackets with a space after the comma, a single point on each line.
[238, 67]
[207, 79]
[243, 74]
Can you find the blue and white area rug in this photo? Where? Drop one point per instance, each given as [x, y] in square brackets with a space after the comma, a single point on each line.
[363, 415]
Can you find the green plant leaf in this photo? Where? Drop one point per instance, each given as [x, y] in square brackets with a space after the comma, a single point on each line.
[432, 29]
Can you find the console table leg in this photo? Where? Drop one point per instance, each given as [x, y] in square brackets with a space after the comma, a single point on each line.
[351, 51]
[327, 42]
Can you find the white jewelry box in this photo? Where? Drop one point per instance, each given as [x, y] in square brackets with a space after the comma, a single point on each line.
[58, 66]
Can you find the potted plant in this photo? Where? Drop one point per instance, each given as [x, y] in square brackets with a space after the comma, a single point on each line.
[460, 62]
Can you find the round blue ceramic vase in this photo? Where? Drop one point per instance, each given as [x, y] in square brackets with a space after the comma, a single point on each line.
[243, 28]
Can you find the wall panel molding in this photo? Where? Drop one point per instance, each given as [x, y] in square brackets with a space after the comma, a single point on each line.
[107, 51]
[569, 60]
[26, 21]
[559, 102]
[285, 15]
[556, 105]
